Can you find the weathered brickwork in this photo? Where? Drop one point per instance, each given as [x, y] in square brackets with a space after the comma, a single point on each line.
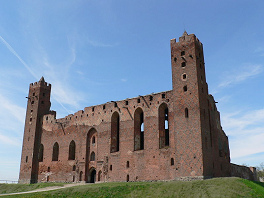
[170, 135]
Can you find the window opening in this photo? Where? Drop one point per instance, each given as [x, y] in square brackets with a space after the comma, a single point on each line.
[182, 53]
[74, 168]
[93, 109]
[111, 167]
[34, 94]
[40, 156]
[185, 88]
[175, 59]
[186, 113]
[183, 64]
[127, 178]
[92, 158]
[48, 169]
[55, 153]
[72, 150]
[150, 98]
[138, 130]
[99, 175]
[172, 161]
[138, 100]
[93, 140]
[184, 76]
[126, 102]
[163, 126]
[115, 126]
[127, 164]
[163, 95]
[32, 102]
[26, 159]
[115, 104]
[104, 107]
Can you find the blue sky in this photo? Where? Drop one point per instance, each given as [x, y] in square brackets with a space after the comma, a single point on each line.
[93, 52]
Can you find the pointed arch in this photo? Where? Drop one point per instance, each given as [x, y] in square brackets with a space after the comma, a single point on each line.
[55, 152]
[138, 129]
[115, 124]
[99, 175]
[72, 150]
[92, 158]
[41, 152]
[163, 125]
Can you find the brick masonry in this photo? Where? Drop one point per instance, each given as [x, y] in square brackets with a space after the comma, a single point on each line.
[170, 135]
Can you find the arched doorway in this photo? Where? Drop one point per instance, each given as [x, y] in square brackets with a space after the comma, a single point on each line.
[92, 175]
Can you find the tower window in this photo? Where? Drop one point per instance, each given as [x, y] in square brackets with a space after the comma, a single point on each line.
[183, 64]
[163, 95]
[126, 102]
[150, 98]
[111, 167]
[32, 102]
[26, 159]
[93, 109]
[138, 100]
[175, 59]
[93, 140]
[186, 113]
[104, 107]
[182, 53]
[115, 104]
[48, 169]
[92, 158]
[184, 76]
[185, 88]
[73, 168]
[172, 161]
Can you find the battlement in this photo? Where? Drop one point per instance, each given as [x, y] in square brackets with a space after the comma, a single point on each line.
[186, 38]
[41, 82]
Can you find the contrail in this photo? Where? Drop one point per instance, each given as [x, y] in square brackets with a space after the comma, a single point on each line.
[19, 58]
[26, 66]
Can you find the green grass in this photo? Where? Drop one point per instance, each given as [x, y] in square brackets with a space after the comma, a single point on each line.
[217, 187]
[12, 188]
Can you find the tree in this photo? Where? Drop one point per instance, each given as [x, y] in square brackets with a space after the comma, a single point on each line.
[260, 170]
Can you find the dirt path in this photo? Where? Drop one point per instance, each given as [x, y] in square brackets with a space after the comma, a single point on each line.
[44, 189]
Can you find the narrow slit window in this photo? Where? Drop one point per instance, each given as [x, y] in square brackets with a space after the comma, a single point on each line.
[182, 53]
[185, 88]
[183, 64]
[186, 113]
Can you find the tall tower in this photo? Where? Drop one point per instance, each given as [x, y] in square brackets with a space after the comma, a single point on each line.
[190, 92]
[37, 106]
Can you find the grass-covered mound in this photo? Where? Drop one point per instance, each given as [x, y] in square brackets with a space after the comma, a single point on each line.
[12, 188]
[217, 187]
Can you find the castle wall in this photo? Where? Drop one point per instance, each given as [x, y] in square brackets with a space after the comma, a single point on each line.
[245, 172]
[169, 135]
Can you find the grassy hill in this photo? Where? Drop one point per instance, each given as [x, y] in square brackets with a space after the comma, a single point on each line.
[217, 187]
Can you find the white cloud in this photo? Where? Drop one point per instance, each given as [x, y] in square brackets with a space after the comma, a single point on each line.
[246, 132]
[240, 76]
[8, 140]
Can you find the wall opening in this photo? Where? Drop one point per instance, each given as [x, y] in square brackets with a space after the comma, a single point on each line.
[41, 151]
[186, 113]
[55, 152]
[127, 178]
[74, 168]
[99, 175]
[183, 64]
[92, 158]
[138, 129]
[72, 150]
[48, 169]
[127, 164]
[111, 168]
[26, 159]
[182, 53]
[93, 176]
[185, 88]
[172, 161]
[115, 125]
[93, 140]
[73, 178]
[80, 177]
[164, 139]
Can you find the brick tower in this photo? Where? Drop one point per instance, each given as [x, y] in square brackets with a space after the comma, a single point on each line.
[38, 105]
[191, 123]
